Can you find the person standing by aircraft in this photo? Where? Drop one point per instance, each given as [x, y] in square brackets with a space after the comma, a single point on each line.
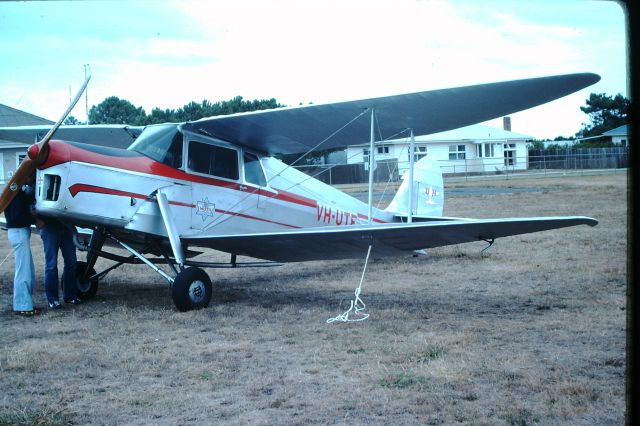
[20, 217]
[56, 236]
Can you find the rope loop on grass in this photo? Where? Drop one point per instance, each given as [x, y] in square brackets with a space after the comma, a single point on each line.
[357, 305]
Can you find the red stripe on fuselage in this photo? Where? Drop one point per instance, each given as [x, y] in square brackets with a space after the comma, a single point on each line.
[79, 187]
[61, 152]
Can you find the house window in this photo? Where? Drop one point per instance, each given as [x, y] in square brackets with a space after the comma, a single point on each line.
[213, 160]
[486, 150]
[509, 154]
[623, 143]
[457, 152]
[383, 150]
[420, 151]
[365, 156]
[19, 159]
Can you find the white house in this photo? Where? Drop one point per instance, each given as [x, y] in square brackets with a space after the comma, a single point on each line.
[12, 152]
[471, 149]
[619, 135]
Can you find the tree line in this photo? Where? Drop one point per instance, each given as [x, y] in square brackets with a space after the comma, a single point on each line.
[605, 113]
[114, 110]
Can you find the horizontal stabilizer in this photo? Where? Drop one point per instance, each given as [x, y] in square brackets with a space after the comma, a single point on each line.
[387, 239]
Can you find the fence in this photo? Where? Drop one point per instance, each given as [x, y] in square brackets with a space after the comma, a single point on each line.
[539, 161]
[579, 158]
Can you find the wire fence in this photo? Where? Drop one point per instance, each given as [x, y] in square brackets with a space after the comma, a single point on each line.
[537, 161]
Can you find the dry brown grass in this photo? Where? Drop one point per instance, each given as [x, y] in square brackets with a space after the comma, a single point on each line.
[533, 332]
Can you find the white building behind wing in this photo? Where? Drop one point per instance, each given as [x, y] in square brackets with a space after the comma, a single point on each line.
[471, 149]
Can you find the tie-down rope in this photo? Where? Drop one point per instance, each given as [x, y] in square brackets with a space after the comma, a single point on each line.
[357, 305]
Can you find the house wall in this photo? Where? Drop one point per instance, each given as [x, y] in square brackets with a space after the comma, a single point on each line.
[620, 140]
[9, 159]
[439, 151]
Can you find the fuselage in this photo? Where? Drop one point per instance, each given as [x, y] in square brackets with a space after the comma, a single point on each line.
[213, 188]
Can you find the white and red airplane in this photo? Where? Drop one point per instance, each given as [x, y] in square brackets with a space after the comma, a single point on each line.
[215, 183]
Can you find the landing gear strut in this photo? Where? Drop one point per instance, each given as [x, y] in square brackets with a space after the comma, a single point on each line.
[87, 287]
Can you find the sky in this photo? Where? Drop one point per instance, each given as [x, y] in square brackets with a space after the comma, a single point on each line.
[167, 54]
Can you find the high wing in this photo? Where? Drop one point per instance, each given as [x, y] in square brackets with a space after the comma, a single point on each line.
[300, 129]
[388, 239]
[114, 135]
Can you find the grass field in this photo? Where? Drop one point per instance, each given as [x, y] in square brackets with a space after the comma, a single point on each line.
[531, 332]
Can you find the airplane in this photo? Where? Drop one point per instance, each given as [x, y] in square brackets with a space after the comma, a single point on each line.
[215, 183]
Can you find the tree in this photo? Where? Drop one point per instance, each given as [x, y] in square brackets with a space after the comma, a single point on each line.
[71, 121]
[605, 113]
[114, 110]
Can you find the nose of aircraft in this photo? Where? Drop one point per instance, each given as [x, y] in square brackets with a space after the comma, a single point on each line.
[33, 151]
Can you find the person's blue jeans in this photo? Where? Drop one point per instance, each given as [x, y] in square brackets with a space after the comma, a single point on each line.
[58, 237]
[24, 282]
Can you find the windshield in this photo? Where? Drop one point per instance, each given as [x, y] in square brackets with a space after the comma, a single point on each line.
[162, 143]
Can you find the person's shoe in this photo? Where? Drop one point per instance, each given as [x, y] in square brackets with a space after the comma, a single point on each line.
[30, 313]
[55, 305]
[74, 301]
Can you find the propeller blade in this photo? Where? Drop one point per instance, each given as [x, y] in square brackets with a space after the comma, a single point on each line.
[45, 141]
[28, 166]
[26, 169]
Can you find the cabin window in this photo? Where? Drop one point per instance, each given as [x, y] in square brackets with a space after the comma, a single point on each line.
[457, 152]
[213, 160]
[383, 150]
[162, 143]
[253, 172]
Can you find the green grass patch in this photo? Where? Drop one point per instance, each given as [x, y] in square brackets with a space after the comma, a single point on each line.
[44, 417]
[432, 353]
[403, 380]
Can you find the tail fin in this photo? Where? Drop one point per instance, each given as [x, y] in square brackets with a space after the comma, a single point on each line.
[428, 191]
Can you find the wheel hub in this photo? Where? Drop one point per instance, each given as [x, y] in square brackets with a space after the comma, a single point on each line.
[197, 291]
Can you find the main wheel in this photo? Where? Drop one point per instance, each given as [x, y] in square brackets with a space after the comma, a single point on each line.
[86, 289]
[191, 289]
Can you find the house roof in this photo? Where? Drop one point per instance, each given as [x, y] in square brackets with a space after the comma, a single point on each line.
[476, 132]
[618, 131]
[11, 117]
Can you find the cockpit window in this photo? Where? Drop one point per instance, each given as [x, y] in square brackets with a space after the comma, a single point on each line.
[213, 160]
[162, 143]
[253, 172]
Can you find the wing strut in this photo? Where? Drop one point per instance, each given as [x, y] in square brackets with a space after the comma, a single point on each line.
[412, 149]
[372, 162]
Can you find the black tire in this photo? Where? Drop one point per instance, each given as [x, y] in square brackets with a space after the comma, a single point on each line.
[87, 289]
[191, 289]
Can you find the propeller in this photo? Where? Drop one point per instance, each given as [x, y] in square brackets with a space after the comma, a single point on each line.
[37, 155]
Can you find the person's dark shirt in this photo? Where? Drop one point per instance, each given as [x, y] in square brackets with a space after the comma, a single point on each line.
[18, 212]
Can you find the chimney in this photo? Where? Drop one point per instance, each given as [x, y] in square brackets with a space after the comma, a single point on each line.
[506, 123]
